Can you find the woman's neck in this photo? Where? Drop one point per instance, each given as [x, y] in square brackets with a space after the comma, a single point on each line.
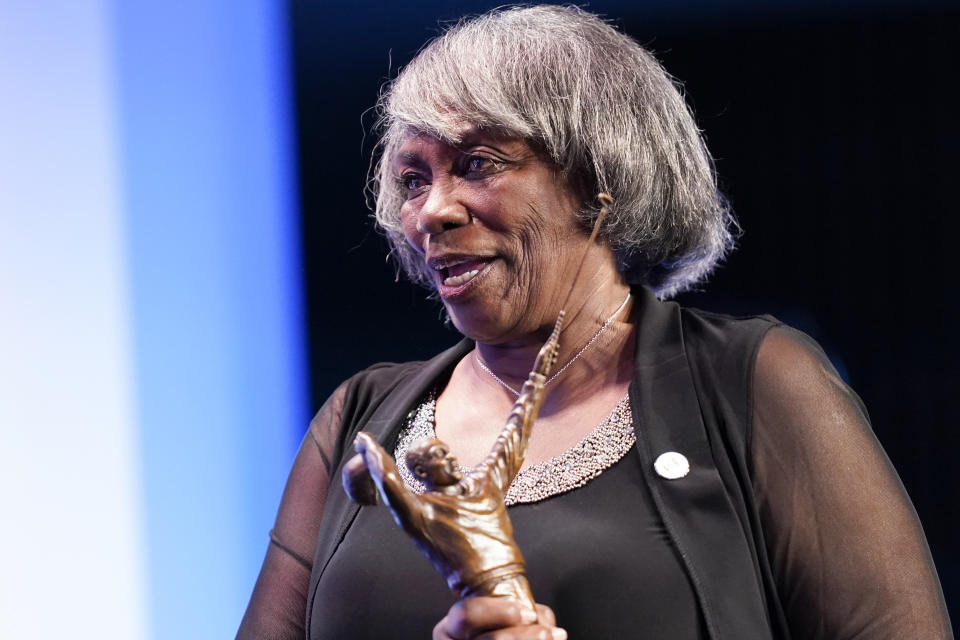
[595, 348]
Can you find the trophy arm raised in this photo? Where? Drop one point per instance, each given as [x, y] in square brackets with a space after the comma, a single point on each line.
[506, 457]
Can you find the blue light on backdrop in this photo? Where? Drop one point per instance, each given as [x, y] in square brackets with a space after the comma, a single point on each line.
[206, 130]
[152, 375]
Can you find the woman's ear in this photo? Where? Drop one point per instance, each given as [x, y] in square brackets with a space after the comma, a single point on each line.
[419, 471]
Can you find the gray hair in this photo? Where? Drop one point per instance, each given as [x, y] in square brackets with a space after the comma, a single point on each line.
[593, 100]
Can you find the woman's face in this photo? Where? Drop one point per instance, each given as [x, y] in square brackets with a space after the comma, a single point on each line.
[497, 228]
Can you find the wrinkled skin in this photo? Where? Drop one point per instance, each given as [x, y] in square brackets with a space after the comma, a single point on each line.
[495, 202]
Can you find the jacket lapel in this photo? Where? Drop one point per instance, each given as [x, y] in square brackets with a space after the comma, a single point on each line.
[695, 508]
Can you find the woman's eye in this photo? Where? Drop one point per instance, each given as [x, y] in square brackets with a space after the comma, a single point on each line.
[412, 182]
[479, 166]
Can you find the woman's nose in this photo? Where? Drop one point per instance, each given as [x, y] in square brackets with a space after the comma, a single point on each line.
[442, 211]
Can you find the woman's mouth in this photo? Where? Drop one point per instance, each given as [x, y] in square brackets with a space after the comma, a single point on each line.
[459, 278]
[455, 276]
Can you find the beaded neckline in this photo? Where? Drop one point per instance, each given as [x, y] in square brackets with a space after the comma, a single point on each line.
[597, 451]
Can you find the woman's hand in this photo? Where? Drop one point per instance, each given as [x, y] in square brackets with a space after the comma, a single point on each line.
[486, 618]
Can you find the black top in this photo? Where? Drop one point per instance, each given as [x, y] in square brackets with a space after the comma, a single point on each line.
[584, 551]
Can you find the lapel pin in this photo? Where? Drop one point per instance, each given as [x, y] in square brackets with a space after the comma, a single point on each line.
[671, 465]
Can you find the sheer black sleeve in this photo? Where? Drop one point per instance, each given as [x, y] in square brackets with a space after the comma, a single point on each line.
[277, 609]
[848, 554]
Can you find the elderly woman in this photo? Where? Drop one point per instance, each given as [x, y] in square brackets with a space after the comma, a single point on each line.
[690, 475]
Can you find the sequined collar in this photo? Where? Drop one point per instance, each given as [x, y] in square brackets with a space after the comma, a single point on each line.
[597, 451]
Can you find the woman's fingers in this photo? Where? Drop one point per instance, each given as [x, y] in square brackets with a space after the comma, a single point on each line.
[467, 618]
[485, 618]
[545, 616]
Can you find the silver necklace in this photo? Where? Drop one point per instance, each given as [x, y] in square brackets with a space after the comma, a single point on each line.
[569, 362]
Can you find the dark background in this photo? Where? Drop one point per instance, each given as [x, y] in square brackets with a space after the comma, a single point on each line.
[836, 137]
